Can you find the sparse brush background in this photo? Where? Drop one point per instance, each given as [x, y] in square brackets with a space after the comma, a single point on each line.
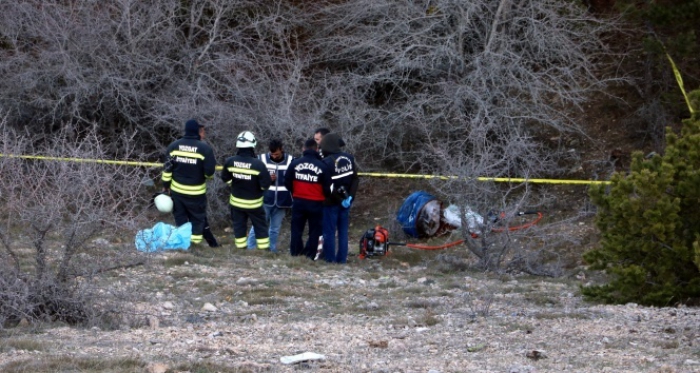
[465, 88]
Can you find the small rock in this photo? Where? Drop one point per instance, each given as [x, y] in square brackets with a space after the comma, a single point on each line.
[168, 306]
[216, 334]
[536, 355]
[251, 318]
[379, 344]
[245, 281]
[691, 362]
[209, 307]
[476, 348]
[422, 280]
[372, 306]
[100, 242]
[434, 371]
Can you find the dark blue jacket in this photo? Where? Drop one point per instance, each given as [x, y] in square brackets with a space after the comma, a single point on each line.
[190, 162]
[248, 178]
[278, 195]
[343, 170]
[308, 177]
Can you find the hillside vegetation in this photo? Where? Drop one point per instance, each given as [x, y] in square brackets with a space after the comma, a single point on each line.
[528, 89]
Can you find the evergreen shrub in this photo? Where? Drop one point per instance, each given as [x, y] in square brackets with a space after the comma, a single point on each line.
[649, 221]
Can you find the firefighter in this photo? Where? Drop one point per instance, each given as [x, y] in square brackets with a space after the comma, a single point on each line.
[249, 179]
[189, 164]
[207, 233]
[276, 200]
[336, 214]
[308, 178]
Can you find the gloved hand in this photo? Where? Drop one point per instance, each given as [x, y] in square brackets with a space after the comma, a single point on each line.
[347, 202]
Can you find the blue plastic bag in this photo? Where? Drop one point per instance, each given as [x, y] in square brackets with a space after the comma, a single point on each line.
[164, 237]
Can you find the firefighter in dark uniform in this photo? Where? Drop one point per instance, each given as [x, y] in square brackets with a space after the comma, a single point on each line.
[308, 178]
[344, 184]
[189, 164]
[249, 179]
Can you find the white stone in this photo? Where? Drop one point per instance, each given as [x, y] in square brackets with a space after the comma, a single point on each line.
[306, 356]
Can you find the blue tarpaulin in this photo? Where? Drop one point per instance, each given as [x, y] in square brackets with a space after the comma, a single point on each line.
[413, 218]
[164, 237]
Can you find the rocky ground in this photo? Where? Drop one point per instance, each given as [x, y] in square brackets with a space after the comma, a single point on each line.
[242, 311]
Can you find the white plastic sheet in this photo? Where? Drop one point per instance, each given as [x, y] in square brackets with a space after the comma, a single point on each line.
[451, 216]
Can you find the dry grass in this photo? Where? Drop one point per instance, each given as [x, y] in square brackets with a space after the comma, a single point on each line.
[72, 364]
[411, 311]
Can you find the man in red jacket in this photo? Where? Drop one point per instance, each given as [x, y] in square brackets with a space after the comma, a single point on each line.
[309, 179]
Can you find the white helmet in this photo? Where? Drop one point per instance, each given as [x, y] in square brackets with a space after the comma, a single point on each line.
[163, 203]
[246, 139]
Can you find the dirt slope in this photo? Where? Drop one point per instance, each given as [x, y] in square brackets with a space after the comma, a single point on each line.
[403, 313]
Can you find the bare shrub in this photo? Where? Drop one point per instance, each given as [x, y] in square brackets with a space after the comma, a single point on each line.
[451, 87]
[145, 67]
[466, 89]
[61, 225]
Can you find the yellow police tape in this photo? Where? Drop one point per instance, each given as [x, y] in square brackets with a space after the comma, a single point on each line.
[494, 179]
[367, 174]
[679, 80]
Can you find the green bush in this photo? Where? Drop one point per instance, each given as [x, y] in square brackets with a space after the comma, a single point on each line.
[650, 226]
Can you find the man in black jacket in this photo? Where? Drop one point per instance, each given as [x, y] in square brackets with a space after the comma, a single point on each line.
[308, 178]
[336, 214]
[249, 179]
[189, 164]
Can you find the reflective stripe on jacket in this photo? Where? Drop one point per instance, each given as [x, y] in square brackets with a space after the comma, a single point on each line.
[190, 162]
[248, 178]
[343, 174]
[277, 195]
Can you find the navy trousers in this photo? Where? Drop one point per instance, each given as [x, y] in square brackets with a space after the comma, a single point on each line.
[306, 211]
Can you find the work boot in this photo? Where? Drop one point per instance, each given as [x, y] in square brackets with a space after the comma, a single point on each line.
[209, 237]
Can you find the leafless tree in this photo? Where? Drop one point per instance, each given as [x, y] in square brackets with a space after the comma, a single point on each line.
[62, 224]
[463, 88]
